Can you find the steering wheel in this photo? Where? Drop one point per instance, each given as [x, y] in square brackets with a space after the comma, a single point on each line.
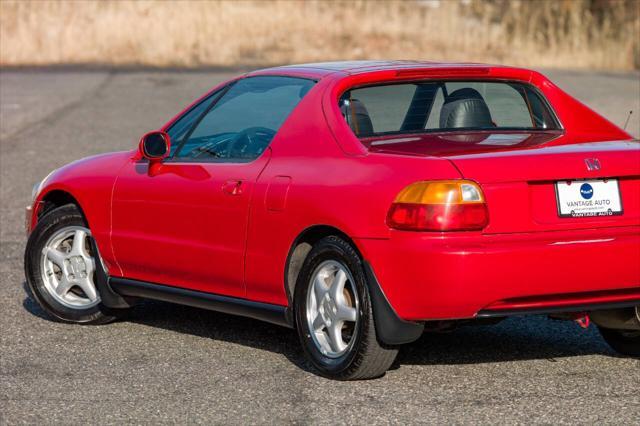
[257, 138]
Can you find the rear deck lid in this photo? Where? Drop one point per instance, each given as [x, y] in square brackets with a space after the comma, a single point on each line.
[522, 175]
[516, 157]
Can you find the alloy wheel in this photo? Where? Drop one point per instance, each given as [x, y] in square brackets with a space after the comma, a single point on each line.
[68, 268]
[332, 309]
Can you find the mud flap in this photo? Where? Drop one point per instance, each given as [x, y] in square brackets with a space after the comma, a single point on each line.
[390, 329]
[108, 297]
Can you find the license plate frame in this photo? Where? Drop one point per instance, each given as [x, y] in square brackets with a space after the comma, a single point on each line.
[576, 198]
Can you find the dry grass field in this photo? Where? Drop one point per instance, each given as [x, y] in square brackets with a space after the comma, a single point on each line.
[593, 34]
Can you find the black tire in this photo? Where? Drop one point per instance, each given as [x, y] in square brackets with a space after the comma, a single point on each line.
[622, 341]
[366, 358]
[54, 220]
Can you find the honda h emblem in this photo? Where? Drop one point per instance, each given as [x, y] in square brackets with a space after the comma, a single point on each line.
[593, 164]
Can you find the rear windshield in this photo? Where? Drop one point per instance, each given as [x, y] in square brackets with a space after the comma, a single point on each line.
[437, 106]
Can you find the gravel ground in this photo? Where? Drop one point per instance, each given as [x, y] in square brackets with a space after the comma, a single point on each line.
[174, 364]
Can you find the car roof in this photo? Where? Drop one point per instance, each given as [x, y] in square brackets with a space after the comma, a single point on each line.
[321, 69]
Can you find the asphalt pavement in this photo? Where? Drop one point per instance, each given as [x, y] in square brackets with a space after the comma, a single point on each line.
[173, 364]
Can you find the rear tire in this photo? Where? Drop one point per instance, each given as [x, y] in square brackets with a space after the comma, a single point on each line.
[60, 268]
[333, 314]
[622, 341]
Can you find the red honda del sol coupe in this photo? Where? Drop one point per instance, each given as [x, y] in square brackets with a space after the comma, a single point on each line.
[360, 203]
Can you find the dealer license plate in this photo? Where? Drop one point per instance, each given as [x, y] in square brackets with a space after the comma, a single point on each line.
[587, 198]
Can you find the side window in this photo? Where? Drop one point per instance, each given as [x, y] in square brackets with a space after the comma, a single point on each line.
[539, 112]
[244, 120]
[181, 127]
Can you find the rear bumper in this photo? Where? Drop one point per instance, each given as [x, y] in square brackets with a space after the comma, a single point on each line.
[428, 276]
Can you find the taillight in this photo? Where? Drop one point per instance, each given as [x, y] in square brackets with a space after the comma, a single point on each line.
[451, 205]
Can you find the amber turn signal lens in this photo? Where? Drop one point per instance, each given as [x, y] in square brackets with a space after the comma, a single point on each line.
[455, 205]
[441, 192]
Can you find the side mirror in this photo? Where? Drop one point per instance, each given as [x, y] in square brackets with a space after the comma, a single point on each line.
[154, 146]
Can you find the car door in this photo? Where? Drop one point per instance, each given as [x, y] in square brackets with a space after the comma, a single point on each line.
[183, 222]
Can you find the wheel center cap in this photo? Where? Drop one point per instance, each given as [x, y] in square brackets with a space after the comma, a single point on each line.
[77, 266]
[328, 310]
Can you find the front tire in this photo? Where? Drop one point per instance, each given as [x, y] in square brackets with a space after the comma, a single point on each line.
[334, 316]
[61, 268]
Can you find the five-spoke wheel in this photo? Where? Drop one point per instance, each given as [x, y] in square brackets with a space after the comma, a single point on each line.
[62, 266]
[334, 317]
[332, 308]
[68, 267]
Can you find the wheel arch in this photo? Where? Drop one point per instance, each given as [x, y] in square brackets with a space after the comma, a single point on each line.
[390, 328]
[54, 199]
[301, 247]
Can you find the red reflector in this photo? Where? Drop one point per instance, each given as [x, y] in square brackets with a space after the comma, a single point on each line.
[438, 217]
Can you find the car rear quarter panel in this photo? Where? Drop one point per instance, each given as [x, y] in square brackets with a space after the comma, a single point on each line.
[326, 186]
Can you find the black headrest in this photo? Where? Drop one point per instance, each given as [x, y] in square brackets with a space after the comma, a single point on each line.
[357, 117]
[465, 108]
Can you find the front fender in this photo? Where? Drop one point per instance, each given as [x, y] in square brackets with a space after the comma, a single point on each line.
[89, 182]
